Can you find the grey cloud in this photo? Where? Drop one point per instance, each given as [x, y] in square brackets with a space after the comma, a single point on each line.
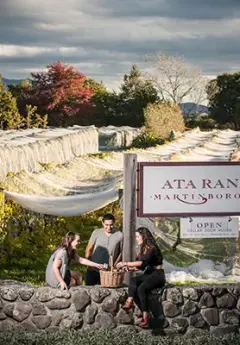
[100, 57]
[108, 57]
[194, 9]
[216, 50]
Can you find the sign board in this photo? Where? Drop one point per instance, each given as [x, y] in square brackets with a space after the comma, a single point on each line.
[208, 227]
[180, 189]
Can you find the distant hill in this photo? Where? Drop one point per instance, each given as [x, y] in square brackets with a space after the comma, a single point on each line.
[11, 81]
[193, 108]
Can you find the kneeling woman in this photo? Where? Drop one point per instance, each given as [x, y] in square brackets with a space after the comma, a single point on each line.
[57, 272]
[149, 261]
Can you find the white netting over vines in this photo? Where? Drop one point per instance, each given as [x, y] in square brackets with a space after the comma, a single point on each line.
[28, 149]
[88, 183]
[210, 259]
[86, 175]
[76, 204]
[112, 137]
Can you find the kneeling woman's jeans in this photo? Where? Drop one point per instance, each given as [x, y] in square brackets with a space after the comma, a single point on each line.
[140, 286]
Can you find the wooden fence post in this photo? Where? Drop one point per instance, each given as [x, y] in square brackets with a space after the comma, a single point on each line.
[129, 209]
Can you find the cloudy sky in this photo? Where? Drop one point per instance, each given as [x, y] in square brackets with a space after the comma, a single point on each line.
[102, 38]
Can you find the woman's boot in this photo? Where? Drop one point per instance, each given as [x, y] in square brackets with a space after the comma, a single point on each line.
[128, 304]
[145, 320]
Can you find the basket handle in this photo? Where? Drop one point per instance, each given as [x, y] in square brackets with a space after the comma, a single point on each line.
[111, 263]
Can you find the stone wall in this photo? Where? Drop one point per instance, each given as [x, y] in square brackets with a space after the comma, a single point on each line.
[191, 310]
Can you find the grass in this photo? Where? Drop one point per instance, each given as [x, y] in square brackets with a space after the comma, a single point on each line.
[34, 276]
[110, 337]
[199, 283]
[32, 271]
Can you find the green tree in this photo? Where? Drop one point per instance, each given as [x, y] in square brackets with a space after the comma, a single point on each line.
[103, 101]
[136, 93]
[107, 109]
[33, 119]
[99, 111]
[203, 121]
[22, 93]
[95, 86]
[9, 115]
[126, 108]
[224, 99]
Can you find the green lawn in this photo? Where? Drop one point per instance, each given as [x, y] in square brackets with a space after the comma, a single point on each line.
[34, 273]
[20, 267]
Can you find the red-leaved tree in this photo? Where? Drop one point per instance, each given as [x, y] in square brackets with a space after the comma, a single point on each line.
[60, 92]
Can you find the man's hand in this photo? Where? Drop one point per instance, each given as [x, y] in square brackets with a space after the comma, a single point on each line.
[63, 285]
[100, 266]
[121, 265]
[130, 269]
[88, 251]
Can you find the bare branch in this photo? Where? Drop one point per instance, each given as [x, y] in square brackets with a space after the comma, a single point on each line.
[175, 79]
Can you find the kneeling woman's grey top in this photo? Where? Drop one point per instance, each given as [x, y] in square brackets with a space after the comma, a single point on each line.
[51, 278]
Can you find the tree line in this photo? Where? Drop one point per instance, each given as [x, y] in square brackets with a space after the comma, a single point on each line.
[63, 96]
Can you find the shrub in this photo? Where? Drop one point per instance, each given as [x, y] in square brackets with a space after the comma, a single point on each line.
[204, 122]
[146, 139]
[162, 118]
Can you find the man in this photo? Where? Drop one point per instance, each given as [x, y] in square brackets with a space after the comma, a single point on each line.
[103, 243]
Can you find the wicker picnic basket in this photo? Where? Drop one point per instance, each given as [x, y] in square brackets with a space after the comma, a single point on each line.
[111, 278]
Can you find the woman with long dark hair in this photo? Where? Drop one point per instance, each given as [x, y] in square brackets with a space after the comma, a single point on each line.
[58, 273]
[149, 260]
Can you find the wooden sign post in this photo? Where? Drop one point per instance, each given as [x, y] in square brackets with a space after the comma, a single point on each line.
[129, 209]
